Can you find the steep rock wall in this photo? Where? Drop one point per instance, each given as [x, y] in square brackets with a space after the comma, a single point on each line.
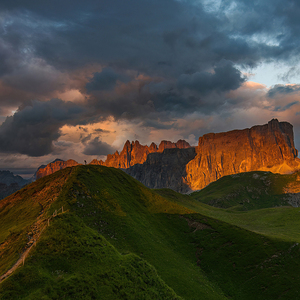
[132, 153]
[164, 169]
[135, 153]
[267, 147]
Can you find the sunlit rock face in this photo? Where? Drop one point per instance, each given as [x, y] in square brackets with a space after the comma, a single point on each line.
[181, 144]
[135, 153]
[55, 166]
[132, 153]
[183, 168]
[268, 147]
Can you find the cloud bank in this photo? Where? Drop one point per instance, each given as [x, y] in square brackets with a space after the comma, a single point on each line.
[149, 68]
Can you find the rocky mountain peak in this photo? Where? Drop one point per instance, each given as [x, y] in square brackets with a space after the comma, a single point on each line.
[268, 147]
[54, 166]
[135, 153]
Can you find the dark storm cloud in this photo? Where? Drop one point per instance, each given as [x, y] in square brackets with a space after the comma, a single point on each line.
[6, 59]
[224, 78]
[274, 25]
[280, 89]
[285, 107]
[97, 147]
[141, 103]
[157, 124]
[100, 130]
[157, 37]
[32, 129]
[200, 91]
[86, 138]
[160, 38]
[186, 53]
[83, 129]
[105, 80]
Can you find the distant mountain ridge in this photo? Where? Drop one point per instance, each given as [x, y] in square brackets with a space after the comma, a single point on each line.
[135, 153]
[268, 147]
[132, 153]
[10, 183]
[8, 178]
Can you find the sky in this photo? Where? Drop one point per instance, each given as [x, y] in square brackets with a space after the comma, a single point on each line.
[79, 78]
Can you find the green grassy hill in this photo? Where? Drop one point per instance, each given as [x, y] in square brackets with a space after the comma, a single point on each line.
[248, 191]
[117, 239]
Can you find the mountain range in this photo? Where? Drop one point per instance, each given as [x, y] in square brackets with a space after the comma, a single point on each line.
[183, 168]
[95, 232]
[10, 183]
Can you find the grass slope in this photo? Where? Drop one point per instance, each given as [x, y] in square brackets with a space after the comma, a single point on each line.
[137, 220]
[20, 211]
[72, 261]
[120, 240]
[247, 191]
[280, 222]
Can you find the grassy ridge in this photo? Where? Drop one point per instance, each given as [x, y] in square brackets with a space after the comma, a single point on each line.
[72, 261]
[122, 240]
[167, 241]
[247, 265]
[246, 191]
[101, 198]
[280, 222]
[137, 220]
[20, 211]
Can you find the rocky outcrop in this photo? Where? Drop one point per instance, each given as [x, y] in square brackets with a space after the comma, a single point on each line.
[269, 147]
[135, 153]
[181, 144]
[132, 153]
[164, 170]
[56, 165]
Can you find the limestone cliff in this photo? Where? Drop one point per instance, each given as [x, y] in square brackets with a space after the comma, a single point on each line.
[58, 164]
[181, 144]
[179, 166]
[135, 153]
[268, 147]
[164, 169]
[132, 153]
